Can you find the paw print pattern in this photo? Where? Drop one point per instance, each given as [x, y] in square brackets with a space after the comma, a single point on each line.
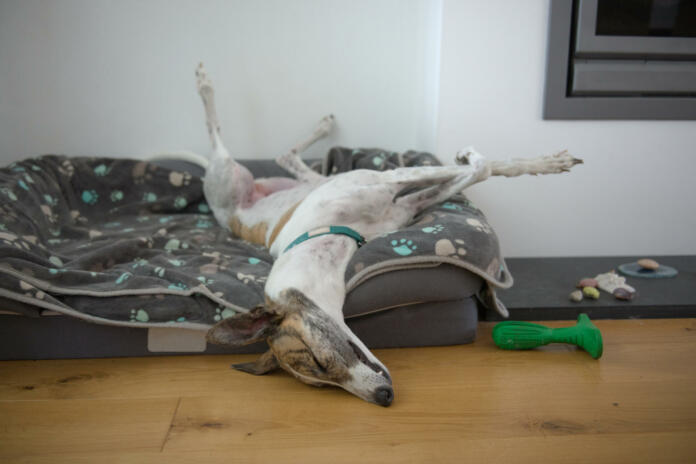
[77, 217]
[67, 169]
[8, 193]
[123, 277]
[48, 212]
[451, 206]
[480, 226]
[436, 229]
[246, 278]
[204, 224]
[31, 291]
[50, 201]
[102, 170]
[149, 197]
[403, 247]
[179, 179]
[175, 244]
[90, 197]
[116, 195]
[139, 315]
[378, 161]
[445, 247]
[178, 286]
[142, 172]
[223, 313]
[180, 202]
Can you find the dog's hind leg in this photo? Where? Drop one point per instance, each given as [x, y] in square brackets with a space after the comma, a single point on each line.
[207, 93]
[227, 184]
[292, 162]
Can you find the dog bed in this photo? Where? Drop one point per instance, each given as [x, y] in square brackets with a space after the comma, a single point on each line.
[128, 243]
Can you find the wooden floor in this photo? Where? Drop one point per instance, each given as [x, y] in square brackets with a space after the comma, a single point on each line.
[453, 404]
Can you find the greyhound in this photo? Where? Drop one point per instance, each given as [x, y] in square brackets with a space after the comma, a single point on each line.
[312, 226]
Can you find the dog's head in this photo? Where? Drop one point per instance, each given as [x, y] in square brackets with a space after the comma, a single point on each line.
[309, 344]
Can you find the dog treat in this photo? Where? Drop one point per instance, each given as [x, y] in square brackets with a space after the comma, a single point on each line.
[610, 281]
[588, 282]
[576, 295]
[513, 335]
[622, 294]
[650, 264]
[591, 292]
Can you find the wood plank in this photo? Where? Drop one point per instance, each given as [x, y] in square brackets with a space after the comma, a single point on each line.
[436, 413]
[55, 427]
[648, 448]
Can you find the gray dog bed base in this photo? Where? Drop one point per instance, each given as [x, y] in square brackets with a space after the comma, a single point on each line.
[132, 244]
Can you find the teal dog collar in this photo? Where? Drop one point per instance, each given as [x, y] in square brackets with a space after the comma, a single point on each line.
[337, 230]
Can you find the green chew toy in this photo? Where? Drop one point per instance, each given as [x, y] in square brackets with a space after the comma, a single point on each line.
[513, 335]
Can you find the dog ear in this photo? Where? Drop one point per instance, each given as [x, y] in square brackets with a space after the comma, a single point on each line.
[244, 328]
[265, 364]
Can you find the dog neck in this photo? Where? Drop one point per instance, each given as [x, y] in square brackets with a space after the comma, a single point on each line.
[317, 268]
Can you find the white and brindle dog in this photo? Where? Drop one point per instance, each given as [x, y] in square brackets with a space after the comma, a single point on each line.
[302, 319]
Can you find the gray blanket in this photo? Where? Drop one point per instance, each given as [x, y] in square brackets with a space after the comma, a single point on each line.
[125, 242]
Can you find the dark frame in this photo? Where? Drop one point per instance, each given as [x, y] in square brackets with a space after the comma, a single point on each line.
[558, 104]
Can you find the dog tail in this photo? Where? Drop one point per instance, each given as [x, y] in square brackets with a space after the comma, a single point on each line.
[185, 155]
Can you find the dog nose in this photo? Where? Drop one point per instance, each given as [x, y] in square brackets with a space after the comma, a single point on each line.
[384, 396]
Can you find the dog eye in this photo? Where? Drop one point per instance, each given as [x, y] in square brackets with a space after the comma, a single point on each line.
[362, 357]
[358, 352]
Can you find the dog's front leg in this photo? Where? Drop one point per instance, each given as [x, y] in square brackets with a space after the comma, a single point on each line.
[473, 169]
[553, 164]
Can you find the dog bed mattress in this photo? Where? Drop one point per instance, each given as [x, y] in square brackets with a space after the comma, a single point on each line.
[130, 243]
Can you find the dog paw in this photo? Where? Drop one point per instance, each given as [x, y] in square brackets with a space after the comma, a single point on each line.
[468, 157]
[403, 247]
[325, 125]
[561, 162]
[202, 81]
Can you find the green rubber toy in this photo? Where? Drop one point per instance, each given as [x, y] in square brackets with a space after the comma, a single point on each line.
[513, 335]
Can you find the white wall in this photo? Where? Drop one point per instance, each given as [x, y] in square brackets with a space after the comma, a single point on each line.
[636, 192]
[117, 77]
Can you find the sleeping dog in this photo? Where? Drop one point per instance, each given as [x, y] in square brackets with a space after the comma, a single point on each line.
[312, 225]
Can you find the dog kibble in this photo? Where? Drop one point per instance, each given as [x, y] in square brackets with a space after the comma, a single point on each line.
[591, 292]
[649, 264]
[575, 296]
[588, 282]
[623, 294]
